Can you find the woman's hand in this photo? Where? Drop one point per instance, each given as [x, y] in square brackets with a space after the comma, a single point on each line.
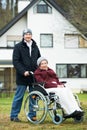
[60, 86]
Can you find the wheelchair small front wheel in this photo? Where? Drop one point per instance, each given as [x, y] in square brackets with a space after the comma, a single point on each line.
[55, 112]
[57, 119]
[35, 103]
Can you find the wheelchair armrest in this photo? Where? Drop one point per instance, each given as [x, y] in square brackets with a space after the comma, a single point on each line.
[64, 82]
[41, 83]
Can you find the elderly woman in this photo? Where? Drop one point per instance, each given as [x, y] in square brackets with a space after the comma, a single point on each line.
[52, 84]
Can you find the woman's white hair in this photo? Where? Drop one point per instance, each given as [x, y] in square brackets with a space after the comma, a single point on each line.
[40, 59]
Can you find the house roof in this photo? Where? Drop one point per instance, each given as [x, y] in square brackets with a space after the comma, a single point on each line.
[24, 11]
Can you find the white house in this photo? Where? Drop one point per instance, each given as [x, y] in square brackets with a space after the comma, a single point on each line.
[59, 41]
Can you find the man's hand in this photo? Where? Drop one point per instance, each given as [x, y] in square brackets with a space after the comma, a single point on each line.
[26, 73]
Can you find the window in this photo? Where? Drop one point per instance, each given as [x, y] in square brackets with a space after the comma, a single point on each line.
[11, 44]
[83, 42]
[46, 40]
[71, 41]
[75, 41]
[42, 7]
[61, 70]
[12, 40]
[71, 70]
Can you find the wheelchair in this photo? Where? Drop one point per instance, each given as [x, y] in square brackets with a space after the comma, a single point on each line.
[44, 103]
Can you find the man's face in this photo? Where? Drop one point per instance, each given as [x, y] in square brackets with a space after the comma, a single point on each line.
[27, 37]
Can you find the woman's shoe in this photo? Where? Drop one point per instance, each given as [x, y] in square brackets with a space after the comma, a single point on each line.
[74, 114]
[78, 113]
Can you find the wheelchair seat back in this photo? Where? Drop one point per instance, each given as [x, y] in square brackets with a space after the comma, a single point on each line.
[40, 88]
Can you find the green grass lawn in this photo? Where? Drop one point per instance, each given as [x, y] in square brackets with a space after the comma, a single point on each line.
[69, 124]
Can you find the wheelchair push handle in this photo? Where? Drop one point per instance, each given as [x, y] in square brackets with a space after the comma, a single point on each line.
[31, 72]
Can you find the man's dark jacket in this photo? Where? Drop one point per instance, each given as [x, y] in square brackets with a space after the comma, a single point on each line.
[22, 61]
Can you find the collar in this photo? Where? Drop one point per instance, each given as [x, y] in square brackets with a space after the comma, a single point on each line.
[29, 44]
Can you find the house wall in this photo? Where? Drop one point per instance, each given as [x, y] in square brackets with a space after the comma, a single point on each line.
[56, 24]
[17, 29]
[52, 23]
[6, 54]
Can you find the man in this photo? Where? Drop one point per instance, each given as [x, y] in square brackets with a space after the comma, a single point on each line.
[25, 57]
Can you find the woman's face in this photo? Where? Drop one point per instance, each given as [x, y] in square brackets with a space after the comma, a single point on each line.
[44, 65]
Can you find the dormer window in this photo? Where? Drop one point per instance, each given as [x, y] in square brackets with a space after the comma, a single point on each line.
[42, 7]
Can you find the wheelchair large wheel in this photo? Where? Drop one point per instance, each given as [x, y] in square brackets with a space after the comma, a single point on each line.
[55, 112]
[38, 102]
[79, 119]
